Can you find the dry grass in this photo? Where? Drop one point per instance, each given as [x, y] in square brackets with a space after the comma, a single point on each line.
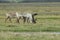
[29, 36]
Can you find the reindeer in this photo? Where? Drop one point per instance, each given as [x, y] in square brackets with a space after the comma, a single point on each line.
[29, 17]
[26, 17]
[12, 15]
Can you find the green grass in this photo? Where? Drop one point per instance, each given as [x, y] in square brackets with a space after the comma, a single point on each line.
[48, 18]
[45, 23]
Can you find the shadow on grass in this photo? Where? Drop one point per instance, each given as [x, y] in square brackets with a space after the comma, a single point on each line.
[51, 29]
[11, 26]
[20, 30]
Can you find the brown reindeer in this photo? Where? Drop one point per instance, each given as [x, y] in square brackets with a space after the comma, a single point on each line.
[12, 15]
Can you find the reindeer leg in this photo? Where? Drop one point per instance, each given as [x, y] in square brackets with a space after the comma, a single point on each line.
[24, 19]
[28, 20]
[17, 20]
[33, 20]
[6, 19]
[10, 19]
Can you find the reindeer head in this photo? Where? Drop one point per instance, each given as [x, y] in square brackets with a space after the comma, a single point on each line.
[34, 14]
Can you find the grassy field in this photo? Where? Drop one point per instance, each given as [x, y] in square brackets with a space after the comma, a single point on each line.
[48, 18]
[28, 36]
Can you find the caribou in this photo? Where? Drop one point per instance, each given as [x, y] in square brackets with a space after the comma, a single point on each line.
[29, 17]
[11, 15]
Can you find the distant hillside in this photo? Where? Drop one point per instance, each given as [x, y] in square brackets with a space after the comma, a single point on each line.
[29, 0]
